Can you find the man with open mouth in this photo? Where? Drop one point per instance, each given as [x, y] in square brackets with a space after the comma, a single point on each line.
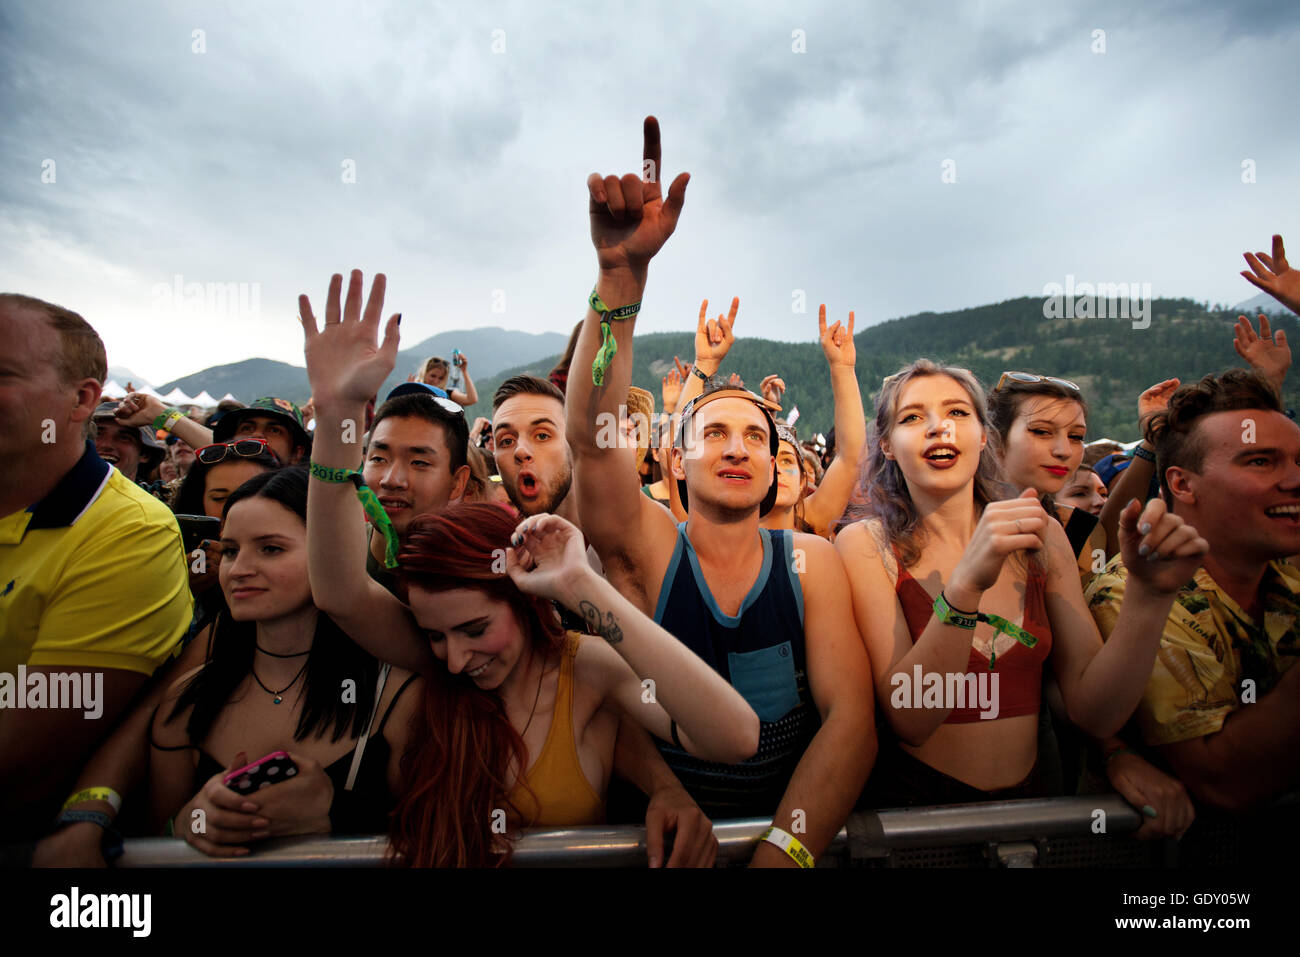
[529, 445]
[1222, 705]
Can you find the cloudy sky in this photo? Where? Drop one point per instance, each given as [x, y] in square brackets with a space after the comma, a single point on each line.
[134, 151]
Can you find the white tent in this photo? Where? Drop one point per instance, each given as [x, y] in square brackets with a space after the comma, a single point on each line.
[227, 398]
[113, 391]
[177, 397]
[205, 400]
[148, 390]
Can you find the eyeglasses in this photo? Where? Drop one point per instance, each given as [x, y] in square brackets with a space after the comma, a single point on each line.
[1029, 377]
[248, 448]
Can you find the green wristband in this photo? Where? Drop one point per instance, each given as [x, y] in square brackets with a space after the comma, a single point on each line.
[608, 347]
[1004, 627]
[166, 419]
[950, 616]
[370, 503]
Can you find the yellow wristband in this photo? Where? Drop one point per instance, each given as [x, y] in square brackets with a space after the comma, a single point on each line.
[96, 794]
[788, 843]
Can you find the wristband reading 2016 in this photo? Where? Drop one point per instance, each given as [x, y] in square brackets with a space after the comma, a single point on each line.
[369, 502]
[608, 347]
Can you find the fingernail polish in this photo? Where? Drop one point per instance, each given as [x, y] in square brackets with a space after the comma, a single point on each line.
[1143, 549]
[1149, 811]
[399, 318]
[1145, 528]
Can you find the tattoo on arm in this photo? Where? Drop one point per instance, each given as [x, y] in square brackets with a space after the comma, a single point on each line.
[606, 626]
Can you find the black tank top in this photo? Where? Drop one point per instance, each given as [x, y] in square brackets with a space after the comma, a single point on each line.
[760, 651]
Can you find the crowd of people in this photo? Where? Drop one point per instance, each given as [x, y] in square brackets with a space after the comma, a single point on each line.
[372, 617]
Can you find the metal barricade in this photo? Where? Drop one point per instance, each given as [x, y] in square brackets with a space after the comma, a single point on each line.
[997, 833]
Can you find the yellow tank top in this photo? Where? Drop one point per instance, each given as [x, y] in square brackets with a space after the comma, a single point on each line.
[560, 794]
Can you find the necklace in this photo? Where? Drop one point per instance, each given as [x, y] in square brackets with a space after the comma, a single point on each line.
[277, 696]
[272, 654]
[536, 698]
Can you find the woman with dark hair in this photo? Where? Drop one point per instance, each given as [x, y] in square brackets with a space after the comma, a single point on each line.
[963, 594]
[215, 474]
[518, 720]
[1041, 423]
[281, 677]
[559, 376]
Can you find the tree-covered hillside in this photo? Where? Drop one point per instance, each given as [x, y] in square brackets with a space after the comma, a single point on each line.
[1109, 358]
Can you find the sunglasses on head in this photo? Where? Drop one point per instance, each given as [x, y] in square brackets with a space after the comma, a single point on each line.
[247, 448]
[1029, 377]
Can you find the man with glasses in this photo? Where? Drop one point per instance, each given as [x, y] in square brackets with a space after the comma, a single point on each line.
[276, 420]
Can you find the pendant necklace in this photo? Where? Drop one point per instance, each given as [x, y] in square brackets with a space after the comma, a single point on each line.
[278, 696]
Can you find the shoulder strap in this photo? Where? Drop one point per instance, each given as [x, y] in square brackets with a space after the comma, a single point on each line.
[365, 734]
[393, 703]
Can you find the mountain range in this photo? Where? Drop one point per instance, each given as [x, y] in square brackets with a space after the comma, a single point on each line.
[1112, 359]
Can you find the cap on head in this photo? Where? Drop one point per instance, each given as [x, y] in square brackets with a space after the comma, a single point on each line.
[282, 409]
[729, 392]
[153, 450]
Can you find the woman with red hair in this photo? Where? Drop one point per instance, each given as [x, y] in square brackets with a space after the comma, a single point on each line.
[518, 722]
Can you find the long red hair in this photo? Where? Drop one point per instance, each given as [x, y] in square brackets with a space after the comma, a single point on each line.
[462, 743]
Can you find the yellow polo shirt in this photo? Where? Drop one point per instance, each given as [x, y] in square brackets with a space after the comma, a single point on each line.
[92, 576]
[1209, 649]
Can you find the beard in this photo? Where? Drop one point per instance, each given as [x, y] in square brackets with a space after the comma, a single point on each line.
[552, 496]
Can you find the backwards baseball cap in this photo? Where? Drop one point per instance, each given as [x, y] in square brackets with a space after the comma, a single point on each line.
[729, 392]
[1108, 466]
[423, 388]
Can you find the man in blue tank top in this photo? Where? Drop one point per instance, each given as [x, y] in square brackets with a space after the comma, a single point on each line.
[770, 610]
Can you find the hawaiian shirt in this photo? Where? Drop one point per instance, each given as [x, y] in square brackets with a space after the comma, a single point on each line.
[1213, 657]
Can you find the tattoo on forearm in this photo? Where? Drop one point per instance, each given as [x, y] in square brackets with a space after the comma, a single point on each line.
[605, 625]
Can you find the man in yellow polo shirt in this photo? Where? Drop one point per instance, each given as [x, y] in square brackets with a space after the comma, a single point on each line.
[93, 587]
[1222, 705]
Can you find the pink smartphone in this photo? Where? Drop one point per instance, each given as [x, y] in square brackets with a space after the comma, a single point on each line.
[274, 767]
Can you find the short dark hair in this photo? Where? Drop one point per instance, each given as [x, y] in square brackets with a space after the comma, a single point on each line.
[1172, 431]
[525, 385]
[416, 405]
[82, 354]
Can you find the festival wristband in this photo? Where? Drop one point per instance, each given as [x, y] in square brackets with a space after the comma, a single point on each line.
[788, 843]
[111, 842]
[696, 371]
[951, 616]
[608, 347]
[369, 503]
[1004, 627]
[1143, 454]
[166, 419]
[108, 795]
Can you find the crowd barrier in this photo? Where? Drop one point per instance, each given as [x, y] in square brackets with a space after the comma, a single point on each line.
[991, 834]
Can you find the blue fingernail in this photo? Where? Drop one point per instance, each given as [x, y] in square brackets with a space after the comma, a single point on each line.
[1149, 811]
[1145, 528]
[1144, 549]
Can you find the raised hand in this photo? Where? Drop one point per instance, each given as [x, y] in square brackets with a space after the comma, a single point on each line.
[1275, 276]
[548, 556]
[837, 341]
[714, 337]
[1160, 550]
[346, 362]
[1004, 527]
[462, 363]
[1267, 353]
[772, 388]
[671, 389]
[1156, 398]
[630, 218]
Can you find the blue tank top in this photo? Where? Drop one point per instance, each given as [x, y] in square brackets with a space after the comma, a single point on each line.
[760, 651]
